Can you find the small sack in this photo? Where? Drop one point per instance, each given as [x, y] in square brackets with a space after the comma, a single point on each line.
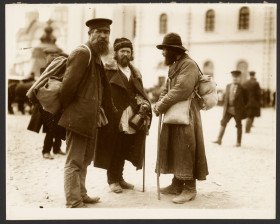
[178, 113]
[206, 91]
[48, 96]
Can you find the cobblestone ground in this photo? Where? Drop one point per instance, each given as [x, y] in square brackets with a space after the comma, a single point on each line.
[240, 178]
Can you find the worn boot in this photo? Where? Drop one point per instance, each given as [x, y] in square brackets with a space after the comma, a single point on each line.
[188, 193]
[220, 136]
[175, 187]
[125, 185]
[239, 137]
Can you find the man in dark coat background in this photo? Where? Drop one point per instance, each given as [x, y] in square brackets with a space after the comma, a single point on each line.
[40, 117]
[85, 91]
[119, 141]
[253, 107]
[234, 107]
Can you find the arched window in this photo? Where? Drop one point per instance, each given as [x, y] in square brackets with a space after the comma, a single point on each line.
[163, 24]
[210, 20]
[244, 15]
[243, 67]
[208, 68]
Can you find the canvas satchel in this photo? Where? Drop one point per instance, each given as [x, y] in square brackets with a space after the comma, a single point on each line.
[48, 94]
[179, 113]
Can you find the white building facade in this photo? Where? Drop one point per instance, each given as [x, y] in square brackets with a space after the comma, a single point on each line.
[219, 37]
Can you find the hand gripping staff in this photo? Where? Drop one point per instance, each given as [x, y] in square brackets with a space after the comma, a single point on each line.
[158, 156]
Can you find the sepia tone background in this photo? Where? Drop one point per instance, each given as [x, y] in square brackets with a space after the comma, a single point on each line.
[219, 37]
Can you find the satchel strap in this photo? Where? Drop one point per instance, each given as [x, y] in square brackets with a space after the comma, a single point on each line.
[89, 53]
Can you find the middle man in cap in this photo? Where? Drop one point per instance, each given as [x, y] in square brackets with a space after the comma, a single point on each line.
[124, 137]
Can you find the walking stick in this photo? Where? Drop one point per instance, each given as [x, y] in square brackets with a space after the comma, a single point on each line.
[158, 158]
[143, 187]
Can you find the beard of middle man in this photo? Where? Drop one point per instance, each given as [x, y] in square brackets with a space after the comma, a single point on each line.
[123, 60]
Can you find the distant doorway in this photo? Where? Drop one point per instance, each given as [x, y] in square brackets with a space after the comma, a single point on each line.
[243, 67]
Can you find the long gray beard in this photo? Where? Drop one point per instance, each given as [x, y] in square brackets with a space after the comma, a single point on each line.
[101, 47]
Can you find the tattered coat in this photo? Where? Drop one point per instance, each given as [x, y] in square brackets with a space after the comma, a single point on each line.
[182, 149]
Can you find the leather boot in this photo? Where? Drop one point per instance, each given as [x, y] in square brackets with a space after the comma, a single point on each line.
[239, 137]
[175, 187]
[220, 136]
[188, 193]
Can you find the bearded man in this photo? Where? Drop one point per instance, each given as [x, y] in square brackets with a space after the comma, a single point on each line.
[182, 151]
[84, 93]
[123, 139]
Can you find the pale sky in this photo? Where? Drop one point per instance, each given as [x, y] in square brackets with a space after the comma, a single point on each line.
[15, 19]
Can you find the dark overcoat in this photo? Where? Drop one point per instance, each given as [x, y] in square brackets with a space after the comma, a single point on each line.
[84, 90]
[107, 135]
[253, 89]
[182, 151]
[239, 103]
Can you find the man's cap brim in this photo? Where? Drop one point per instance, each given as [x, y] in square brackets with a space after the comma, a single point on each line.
[163, 46]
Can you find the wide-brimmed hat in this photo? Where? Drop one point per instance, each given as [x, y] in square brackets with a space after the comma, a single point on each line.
[171, 40]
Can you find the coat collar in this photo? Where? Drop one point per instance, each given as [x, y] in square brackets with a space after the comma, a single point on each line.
[135, 78]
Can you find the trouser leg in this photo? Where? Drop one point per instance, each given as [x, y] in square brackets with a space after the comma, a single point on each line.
[21, 106]
[115, 171]
[56, 144]
[224, 123]
[48, 143]
[249, 123]
[79, 155]
[239, 130]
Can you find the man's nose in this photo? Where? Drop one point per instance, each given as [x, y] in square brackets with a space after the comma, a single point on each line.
[103, 35]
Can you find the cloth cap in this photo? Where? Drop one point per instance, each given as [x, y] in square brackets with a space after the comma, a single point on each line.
[121, 43]
[252, 73]
[236, 73]
[171, 40]
[99, 23]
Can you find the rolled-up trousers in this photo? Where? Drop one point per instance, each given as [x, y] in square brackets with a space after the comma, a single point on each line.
[80, 151]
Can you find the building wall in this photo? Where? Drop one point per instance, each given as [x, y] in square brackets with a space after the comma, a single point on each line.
[224, 47]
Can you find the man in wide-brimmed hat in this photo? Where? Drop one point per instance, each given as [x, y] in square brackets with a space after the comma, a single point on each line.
[182, 150]
[234, 107]
[84, 93]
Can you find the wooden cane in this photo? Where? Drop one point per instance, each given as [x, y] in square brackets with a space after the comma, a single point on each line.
[143, 187]
[158, 156]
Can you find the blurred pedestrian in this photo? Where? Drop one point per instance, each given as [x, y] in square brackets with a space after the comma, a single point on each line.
[127, 142]
[253, 107]
[234, 107]
[182, 151]
[40, 117]
[85, 91]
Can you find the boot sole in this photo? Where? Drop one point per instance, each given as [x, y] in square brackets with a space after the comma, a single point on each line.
[184, 201]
